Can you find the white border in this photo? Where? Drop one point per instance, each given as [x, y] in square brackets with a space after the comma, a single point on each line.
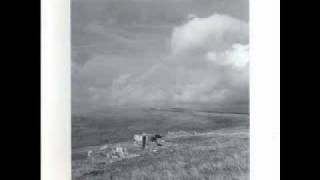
[55, 90]
[264, 89]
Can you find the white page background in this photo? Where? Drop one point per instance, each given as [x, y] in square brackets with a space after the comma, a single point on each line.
[264, 90]
[55, 90]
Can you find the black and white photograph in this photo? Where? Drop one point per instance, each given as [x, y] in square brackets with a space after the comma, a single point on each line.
[160, 89]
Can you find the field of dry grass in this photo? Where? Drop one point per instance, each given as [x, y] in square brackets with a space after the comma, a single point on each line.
[216, 155]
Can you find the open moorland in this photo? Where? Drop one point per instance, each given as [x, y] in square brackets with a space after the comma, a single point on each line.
[197, 145]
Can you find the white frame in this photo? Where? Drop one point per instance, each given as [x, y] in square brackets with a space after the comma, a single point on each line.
[55, 90]
[264, 90]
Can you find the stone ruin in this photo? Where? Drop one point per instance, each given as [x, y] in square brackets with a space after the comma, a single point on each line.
[118, 152]
[112, 153]
[146, 139]
[109, 154]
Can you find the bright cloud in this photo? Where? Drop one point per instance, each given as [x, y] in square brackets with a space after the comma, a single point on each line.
[208, 64]
[216, 32]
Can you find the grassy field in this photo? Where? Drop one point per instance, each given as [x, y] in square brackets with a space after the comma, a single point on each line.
[120, 125]
[199, 146]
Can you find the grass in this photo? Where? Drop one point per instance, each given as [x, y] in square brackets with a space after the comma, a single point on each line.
[216, 155]
[113, 127]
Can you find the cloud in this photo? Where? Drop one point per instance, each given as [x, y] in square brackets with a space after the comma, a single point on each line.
[236, 57]
[216, 32]
[151, 53]
[208, 65]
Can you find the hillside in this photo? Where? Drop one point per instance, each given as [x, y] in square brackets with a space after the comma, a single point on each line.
[216, 155]
[119, 125]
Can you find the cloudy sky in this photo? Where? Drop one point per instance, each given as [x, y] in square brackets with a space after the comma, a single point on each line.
[160, 53]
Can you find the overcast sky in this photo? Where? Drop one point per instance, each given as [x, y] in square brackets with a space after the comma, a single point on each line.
[160, 53]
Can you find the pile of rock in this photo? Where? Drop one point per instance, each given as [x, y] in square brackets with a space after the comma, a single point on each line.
[96, 155]
[109, 154]
[112, 153]
[118, 152]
